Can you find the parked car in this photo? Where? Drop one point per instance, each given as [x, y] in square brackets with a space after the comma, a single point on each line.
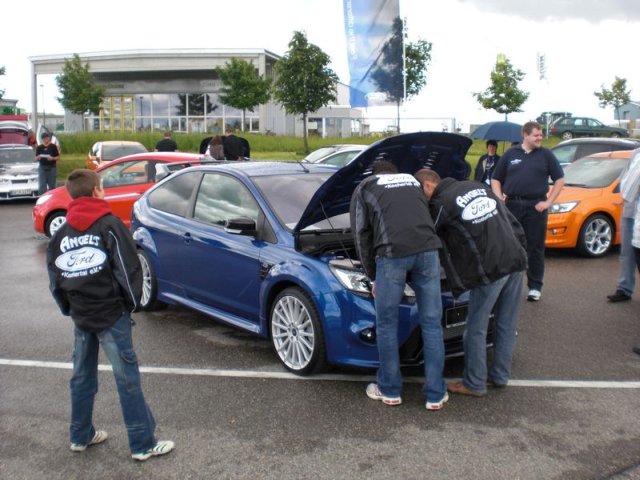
[266, 247]
[18, 172]
[586, 214]
[108, 151]
[124, 181]
[569, 127]
[570, 150]
[547, 118]
[338, 155]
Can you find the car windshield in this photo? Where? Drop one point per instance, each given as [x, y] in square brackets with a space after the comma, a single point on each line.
[16, 155]
[13, 135]
[593, 172]
[322, 152]
[288, 196]
[111, 152]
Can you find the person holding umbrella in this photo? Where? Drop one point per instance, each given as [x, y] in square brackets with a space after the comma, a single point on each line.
[521, 179]
[486, 163]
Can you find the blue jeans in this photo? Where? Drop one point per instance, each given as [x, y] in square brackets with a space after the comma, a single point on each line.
[534, 224]
[117, 345]
[504, 293]
[627, 276]
[391, 277]
[46, 178]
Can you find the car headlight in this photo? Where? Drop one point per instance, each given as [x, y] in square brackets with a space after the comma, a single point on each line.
[43, 198]
[357, 282]
[5, 181]
[353, 280]
[562, 207]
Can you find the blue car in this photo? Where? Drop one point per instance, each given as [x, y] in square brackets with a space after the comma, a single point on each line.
[267, 247]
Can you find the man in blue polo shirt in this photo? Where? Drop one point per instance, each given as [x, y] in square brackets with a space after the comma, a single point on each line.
[521, 179]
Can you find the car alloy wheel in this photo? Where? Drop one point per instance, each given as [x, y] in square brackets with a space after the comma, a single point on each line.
[596, 236]
[567, 136]
[54, 222]
[149, 300]
[296, 334]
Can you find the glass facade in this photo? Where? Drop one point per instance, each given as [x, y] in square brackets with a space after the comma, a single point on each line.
[179, 112]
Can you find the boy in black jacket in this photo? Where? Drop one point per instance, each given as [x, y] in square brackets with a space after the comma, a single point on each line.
[95, 277]
[484, 251]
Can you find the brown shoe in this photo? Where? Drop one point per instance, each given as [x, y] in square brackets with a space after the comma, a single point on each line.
[458, 387]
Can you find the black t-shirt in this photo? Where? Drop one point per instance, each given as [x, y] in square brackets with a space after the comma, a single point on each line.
[51, 150]
[527, 174]
[166, 145]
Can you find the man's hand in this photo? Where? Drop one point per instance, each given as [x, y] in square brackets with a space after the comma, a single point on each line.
[373, 289]
[542, 206]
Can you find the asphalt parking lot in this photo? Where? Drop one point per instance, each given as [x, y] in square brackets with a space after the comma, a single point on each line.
[571, 411]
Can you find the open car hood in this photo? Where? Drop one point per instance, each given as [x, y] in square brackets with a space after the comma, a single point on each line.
[442, 152]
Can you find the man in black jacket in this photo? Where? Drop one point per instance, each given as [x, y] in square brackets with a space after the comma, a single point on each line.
[396, 243]
[96, 278]
[486, 163]
[484, 251]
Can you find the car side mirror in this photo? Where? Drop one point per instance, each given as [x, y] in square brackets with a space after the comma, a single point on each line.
[241, 226]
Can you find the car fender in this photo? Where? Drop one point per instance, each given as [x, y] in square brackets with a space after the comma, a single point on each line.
[144, 240]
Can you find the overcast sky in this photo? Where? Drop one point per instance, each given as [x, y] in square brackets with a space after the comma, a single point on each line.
[586, 44]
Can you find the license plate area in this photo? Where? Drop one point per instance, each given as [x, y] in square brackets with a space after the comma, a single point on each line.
[21, 193]
[455, 316]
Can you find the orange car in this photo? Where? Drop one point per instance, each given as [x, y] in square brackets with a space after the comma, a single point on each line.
[586, 214]
[107, 151]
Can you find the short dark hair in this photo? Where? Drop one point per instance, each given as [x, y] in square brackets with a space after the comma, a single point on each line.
[529, 127]
[383, 166]
[427, 175]
[492, 142]
[45, 134]
[81, 182]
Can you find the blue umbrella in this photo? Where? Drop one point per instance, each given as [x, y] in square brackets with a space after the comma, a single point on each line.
[499, 131]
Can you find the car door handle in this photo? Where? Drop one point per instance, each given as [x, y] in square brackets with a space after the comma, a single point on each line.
[186, 237]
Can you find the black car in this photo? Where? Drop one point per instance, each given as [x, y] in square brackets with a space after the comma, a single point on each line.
[570, 150]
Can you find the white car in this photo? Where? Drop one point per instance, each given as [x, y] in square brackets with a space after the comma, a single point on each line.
[18, 172]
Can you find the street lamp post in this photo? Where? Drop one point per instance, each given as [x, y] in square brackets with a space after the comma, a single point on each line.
[141, 124]
[44, 115]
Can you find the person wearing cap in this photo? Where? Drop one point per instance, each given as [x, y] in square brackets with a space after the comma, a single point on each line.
[47, 155]
[486, 163]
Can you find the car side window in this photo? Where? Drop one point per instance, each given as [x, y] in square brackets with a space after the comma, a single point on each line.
[174, 195]
[125, 173]
[590, 148]
[565, 153]
[221, 198]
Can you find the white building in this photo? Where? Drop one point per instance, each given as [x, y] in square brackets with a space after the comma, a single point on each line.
[178, 90]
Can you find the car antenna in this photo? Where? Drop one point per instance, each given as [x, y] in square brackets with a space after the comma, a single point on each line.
[306, 170]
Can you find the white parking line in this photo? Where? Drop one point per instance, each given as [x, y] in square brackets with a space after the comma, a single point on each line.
[216, 372]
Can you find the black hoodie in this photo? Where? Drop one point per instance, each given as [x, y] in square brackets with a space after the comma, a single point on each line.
[94, 271]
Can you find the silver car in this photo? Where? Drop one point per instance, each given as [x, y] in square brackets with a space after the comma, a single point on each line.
[18, 172]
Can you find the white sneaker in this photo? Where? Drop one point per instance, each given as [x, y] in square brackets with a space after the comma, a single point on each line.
[161, 448]
[99, 437]
[534, 295]
[374, 393]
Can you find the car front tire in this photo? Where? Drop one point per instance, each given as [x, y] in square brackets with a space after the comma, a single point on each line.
[596, 236]
[54, 222]
[296, 333]
[149, 300]
[567, 135]
[615, 135]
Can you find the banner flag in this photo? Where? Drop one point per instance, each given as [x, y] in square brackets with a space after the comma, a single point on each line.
[372, 40]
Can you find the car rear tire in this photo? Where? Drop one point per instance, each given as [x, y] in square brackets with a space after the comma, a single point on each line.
[296, 333]
[149, 300]
[567, 135]
[596, 236]
[615, 135]
[54, 222]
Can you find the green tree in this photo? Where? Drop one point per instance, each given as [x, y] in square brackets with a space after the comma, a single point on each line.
[242, 88]
[503, 95]
[304, 82]
[616, 97]
[79, 93]
[1, 74]
[388, 74]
